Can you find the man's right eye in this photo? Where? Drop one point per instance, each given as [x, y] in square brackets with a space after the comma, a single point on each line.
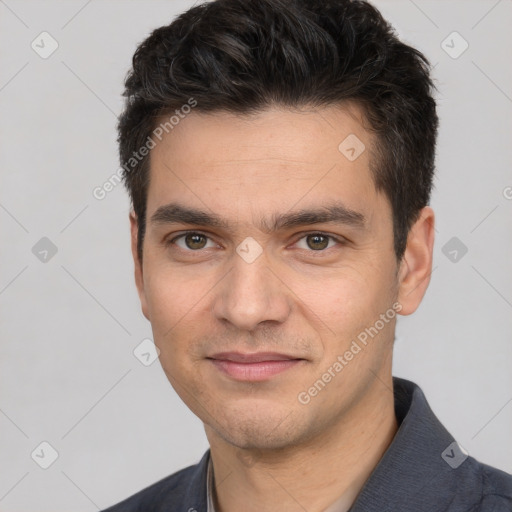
[191, 241]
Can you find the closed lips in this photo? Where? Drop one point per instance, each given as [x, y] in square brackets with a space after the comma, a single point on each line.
[258, 357]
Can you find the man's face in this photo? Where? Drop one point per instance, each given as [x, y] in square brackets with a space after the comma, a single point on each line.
[270, 275]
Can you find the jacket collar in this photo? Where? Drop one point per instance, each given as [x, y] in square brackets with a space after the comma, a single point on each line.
[411, 475]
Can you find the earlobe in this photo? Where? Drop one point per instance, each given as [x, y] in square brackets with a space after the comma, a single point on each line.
[416, 264]
[138, 270]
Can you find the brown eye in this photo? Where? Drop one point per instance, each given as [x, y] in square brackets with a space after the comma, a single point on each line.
[195, 241]
[191, 241]
[317, 242]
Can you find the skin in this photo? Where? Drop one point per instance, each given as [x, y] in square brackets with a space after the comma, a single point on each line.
[267, 447]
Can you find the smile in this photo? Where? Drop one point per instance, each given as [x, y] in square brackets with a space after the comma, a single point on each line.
[253, 367]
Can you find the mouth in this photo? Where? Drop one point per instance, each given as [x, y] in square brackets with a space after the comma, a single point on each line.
[254, 367]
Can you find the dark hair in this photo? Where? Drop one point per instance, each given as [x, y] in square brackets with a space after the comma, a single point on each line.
[242, 56]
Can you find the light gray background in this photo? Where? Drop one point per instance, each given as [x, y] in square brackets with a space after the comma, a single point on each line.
[70, 325]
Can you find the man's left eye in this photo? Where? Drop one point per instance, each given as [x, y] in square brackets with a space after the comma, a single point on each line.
[316, 242]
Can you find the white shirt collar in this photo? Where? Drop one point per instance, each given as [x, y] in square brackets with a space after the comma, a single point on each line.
[209, 488]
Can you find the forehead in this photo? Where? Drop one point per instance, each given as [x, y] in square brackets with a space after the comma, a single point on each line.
[304, 136]
[273, 160]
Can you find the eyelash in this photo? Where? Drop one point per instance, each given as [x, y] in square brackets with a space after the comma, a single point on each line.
[340, 241]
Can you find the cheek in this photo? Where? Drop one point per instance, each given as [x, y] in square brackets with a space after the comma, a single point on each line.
[343, 305]
[170, 291]
[174, 302]
[338, 299]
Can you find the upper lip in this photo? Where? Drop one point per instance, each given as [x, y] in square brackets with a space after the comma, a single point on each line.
[256, 357]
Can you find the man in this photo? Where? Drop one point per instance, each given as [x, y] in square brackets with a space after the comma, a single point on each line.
[279, 156]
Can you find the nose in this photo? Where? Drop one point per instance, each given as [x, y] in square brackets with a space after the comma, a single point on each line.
[251, 294]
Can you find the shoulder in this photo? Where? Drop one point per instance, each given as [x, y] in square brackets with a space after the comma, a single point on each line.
[428, 469]
[183, 490]
[477, 487]
[496, 488]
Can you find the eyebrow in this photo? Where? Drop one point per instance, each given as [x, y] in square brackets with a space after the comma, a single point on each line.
[337, 213]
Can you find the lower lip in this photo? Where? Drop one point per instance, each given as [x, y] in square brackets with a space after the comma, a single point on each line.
[254, 371]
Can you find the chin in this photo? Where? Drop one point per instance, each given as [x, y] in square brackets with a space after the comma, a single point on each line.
[260, 430]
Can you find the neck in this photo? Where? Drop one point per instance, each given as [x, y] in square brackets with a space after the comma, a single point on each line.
[332, 467]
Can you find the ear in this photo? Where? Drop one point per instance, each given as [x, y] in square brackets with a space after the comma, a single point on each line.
[139, 278]
[416, 265]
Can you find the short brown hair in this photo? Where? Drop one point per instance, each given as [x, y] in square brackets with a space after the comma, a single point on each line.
[244, 55]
